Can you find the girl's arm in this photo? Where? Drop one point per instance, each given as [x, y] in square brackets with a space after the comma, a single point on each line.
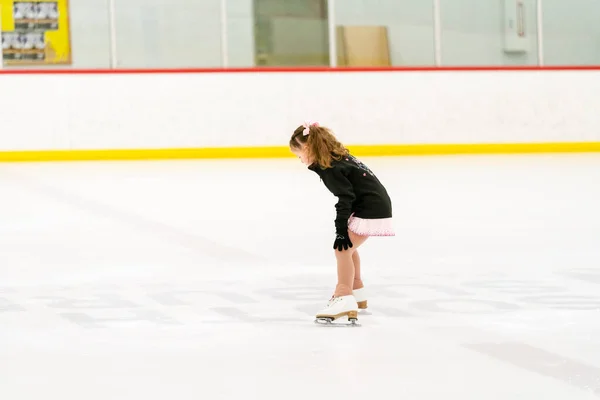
[337, 182]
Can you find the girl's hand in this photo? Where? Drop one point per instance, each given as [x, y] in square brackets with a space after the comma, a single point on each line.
[342, 241]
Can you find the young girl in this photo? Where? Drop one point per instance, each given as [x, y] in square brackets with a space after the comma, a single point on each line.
[363, 209]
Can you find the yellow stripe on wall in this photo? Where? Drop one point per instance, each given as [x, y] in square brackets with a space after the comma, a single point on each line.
[284, 152]
[472, 148]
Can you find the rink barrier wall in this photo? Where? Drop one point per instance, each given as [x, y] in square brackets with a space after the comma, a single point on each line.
[251, 112]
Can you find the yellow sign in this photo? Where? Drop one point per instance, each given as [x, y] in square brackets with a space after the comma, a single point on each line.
[35, 32]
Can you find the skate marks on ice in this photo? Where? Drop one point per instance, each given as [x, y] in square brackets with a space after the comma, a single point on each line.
[542, 362]
[114, 306]
[428, 299]
[200, 244]
[487, 311]
[483, 313]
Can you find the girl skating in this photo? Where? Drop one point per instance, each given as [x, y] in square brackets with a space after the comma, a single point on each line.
[363, 209]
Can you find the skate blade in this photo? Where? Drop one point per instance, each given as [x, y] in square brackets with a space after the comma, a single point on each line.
[336, 323]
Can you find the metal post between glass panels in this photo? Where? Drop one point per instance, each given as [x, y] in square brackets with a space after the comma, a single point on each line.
[540, 32]
[437, 33]
[224, 34]
[332, 33]
[112, 23]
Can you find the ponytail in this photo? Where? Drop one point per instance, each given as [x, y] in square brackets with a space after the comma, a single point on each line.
[320, 142]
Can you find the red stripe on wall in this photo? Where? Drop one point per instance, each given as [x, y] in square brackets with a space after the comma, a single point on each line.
[75, 71]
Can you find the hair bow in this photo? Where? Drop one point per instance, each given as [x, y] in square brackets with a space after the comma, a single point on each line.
[307, 126]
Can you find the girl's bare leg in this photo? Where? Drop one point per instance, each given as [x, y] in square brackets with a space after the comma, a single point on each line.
[358, 283]
[346, 267]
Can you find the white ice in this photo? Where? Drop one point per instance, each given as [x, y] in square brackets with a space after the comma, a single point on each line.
[200, 279]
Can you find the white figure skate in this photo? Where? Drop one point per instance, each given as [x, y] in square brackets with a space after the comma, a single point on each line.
[339, 307]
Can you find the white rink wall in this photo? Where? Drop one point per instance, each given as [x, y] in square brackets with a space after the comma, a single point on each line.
[195, 110]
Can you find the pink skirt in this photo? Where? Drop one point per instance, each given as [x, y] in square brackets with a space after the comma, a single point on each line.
[371, 227]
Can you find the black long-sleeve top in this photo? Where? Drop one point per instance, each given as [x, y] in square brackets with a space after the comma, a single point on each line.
[358, 190]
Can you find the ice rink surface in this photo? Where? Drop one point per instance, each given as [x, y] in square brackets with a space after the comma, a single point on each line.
[200, 279]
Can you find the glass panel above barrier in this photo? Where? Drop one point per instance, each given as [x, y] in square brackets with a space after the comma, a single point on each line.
[239, 33]
[168, 33]
[291, 33]
[384, 33]
[489, 33]
[571, 32]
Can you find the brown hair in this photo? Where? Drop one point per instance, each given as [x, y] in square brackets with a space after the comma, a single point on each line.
[321, 144]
